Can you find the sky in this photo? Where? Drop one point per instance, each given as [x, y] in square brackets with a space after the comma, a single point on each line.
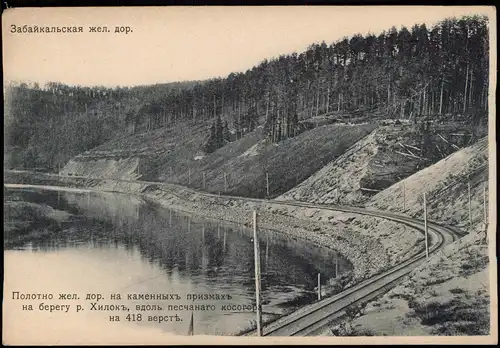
[186, 43]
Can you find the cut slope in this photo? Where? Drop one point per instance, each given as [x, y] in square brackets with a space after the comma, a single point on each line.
[384, 157]
[446, 187]
[449, 294]
[175, 155]
[137, 156]
[286, 163]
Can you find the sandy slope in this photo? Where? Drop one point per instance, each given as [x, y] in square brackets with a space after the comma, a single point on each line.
[384, 157]
[449, 295]
[446, 187]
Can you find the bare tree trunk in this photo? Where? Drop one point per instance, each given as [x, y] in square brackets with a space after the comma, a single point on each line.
[215, 113]
[267, 108]
[317, 100]
[431, 108]
[328, 99]
[239, 120]
[277, 119]
[441, 98]
[424, 102]
[484, 96]
[388, 94]
[470, 87]
[465, 90]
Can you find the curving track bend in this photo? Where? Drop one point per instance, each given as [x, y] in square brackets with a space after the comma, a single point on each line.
[311, 319]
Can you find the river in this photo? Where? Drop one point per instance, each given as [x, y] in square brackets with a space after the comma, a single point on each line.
[111, 243]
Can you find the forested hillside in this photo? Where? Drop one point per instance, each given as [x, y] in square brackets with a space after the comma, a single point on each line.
[438, 72]
[46, 126]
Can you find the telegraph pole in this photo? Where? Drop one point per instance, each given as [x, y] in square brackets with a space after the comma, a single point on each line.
[485, 212]
[204, 181]
[336, 265]
[485, 207]
[319, 286]
[225, 182]
[425, 228]
[267, 184]
[189, 176]
[470, 209]
[404, 196]
[257, 274]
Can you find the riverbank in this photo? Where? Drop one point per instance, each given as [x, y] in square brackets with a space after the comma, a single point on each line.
[371, 244]
[27, 220]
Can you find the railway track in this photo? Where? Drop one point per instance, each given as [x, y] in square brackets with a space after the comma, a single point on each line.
[314, 317]
[311, 319]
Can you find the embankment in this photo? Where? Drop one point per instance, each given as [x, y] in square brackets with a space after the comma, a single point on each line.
[370, 244]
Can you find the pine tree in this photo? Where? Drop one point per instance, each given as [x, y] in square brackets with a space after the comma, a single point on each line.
[219, 137]
[225, 133]
[295, 124]
[211, 144]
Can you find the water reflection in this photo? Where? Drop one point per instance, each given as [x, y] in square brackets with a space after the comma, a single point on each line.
[188, 254]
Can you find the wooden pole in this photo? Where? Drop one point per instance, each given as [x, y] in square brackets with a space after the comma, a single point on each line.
[470, 208]
[404, 196]
[267, 184]
[485, 207]
[267, 249]
[189, 176]
[204, 182]
[170, 217]
[319, 286]
[425, 228]
[257, 274]
[336, 265]
[485, 212]
[225, 182]
[191, 325]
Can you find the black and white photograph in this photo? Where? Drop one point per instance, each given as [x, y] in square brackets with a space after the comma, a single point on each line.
[246, 174]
